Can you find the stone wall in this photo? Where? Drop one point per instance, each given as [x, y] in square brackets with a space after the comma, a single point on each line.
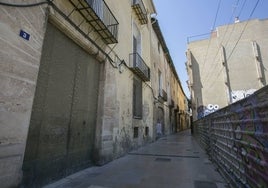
[19, 66]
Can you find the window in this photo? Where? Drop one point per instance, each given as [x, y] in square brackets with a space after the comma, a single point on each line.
[136, 132]
[137, 98]
[146, 131]
[168, 91]
[136, 40]
[160, 82]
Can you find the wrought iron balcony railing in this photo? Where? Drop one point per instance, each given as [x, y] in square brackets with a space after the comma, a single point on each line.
[177, 108]
[140, 10]
[171, 104]
[100, 17]
[139, 67]
[162, 95]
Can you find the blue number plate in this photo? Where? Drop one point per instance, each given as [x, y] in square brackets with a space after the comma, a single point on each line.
[24, 35]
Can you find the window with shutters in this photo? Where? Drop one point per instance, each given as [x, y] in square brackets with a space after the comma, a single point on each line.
[137, 98]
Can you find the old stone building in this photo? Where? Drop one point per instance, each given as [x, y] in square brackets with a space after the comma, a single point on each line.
[172, 102]
[80, 85]
[228, 66]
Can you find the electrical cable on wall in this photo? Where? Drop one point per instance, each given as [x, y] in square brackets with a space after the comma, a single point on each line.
[226, 44]
[214, 23]
[25, 5]
[206, 79]
[239, 38]
[242, 8]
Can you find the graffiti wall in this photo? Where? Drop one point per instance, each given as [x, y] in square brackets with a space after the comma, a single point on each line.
[241, 94]
[237, 139]
[203, 111]
[237, 95]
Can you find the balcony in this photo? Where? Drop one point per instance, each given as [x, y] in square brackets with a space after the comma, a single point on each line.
[189, 83]
[177, 109]
[171, 103]
[162, 95]
[100, 17]
[138, 66]
[138, 7]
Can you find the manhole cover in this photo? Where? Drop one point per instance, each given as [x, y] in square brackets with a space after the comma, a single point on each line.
[96, 186]
[204, 184]
[163, 159]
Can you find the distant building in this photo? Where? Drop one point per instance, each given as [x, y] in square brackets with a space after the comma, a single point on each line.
[172, 104]
[228, 66]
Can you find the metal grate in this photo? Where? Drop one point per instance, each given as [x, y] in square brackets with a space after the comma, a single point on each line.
[100, 17]
[136, 132]
[163, 159]
[140, 10]
[163, 155]
[204, 184]
[139, 67]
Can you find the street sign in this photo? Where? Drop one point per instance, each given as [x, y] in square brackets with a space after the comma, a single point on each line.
[24, 35]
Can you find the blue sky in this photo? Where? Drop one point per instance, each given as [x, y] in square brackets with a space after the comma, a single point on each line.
[180, 19]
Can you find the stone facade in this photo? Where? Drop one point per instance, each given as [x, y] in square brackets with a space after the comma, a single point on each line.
[20, 61]
[175, 107]
[49, 99]
[228, 66]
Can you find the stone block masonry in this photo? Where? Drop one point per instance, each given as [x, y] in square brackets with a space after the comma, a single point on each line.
[18, 73]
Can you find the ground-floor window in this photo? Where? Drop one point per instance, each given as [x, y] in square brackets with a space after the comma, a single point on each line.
[137, 98]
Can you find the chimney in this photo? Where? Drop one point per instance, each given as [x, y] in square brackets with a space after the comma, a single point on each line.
[214, 34]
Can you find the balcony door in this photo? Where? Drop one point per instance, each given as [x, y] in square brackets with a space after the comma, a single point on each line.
[136, 46]
[97, 7]
[160, 81]
[134, 51]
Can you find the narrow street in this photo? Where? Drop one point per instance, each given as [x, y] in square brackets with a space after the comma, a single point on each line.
[174, 161]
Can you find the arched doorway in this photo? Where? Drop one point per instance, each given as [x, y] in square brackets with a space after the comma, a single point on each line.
[161, 117]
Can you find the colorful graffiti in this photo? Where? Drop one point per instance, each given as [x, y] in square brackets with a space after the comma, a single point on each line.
[251, 142]
[203, 111]
[241, 94]
[238, 139]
